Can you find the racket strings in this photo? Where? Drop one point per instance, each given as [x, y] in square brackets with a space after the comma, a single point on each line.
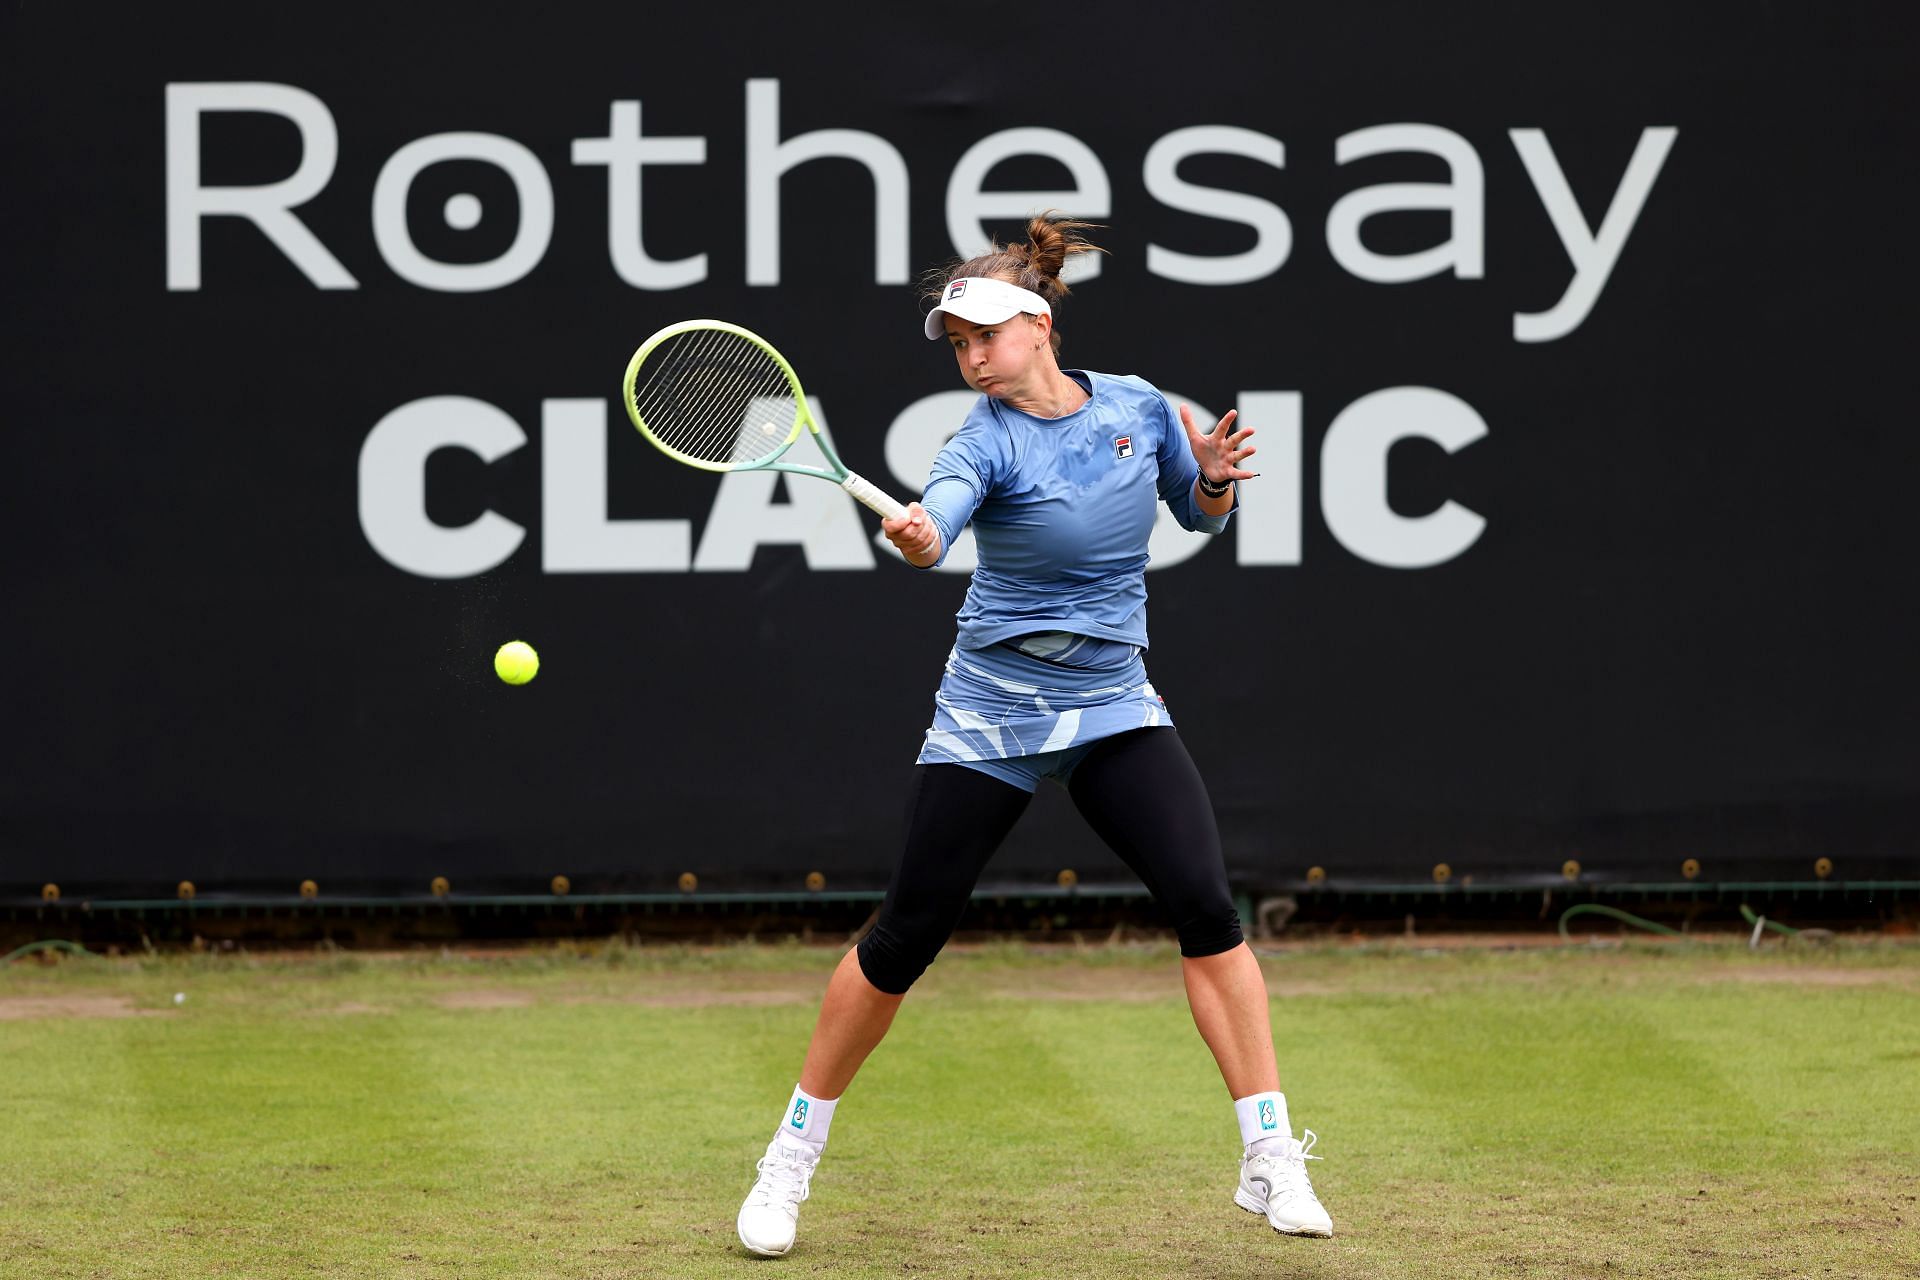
[715, 396]
[705, 388]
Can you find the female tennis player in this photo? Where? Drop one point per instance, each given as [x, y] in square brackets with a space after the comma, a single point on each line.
[1059, 471]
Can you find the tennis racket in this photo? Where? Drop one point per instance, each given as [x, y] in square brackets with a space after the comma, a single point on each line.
[715, 396]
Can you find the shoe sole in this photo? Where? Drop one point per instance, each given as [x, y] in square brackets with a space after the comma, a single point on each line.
[753, 1248]
[1251, 1205]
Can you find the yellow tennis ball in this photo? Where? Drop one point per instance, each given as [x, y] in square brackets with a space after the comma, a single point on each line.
[516, 662]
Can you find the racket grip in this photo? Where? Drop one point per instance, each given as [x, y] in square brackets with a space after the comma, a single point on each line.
[867, 495]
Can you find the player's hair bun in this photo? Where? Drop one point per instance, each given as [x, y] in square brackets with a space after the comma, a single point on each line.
[1051, 240]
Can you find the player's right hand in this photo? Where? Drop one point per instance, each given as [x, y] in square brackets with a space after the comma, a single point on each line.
[915, 534]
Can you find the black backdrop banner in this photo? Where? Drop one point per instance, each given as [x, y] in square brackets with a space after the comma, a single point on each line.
[1575, 345]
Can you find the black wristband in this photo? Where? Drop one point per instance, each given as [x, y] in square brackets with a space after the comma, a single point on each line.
[1212, 490]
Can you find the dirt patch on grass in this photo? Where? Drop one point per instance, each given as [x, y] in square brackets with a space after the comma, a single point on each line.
[681, 995]
[484, 998]
[1804, 976]
[1125, 986]
[1058, 982]
[70, 1006]
[700, 999]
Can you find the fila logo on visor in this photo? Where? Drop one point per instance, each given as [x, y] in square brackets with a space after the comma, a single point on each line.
[955, 289]
[1123, 446]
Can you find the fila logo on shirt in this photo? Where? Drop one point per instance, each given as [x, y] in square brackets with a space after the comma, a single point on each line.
[799, 1120]
[1267, 1120]
[1123, 446]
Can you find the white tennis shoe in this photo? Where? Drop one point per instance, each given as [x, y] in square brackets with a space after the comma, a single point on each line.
[1276, 1184]
[771, 1214]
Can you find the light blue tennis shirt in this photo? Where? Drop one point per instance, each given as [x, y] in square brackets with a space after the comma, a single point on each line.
[1062, 508]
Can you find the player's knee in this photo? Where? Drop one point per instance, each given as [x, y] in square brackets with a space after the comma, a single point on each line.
[1209, 931]
[892, 958]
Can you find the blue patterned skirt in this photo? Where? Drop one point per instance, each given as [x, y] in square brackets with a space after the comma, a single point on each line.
[1032, 707]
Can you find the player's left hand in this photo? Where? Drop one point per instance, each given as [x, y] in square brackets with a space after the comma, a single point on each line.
[1220, 451]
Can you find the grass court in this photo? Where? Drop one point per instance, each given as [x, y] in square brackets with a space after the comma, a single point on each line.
[595, 1110]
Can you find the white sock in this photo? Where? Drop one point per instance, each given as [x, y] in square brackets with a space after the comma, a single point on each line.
[1263, 1120]
[807, 1120]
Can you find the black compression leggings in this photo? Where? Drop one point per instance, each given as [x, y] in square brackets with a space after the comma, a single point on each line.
[1139, 791]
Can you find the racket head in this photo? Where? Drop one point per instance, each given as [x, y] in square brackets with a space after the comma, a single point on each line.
[715, 396]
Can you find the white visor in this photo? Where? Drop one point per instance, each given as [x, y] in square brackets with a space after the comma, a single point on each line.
[983, 300]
